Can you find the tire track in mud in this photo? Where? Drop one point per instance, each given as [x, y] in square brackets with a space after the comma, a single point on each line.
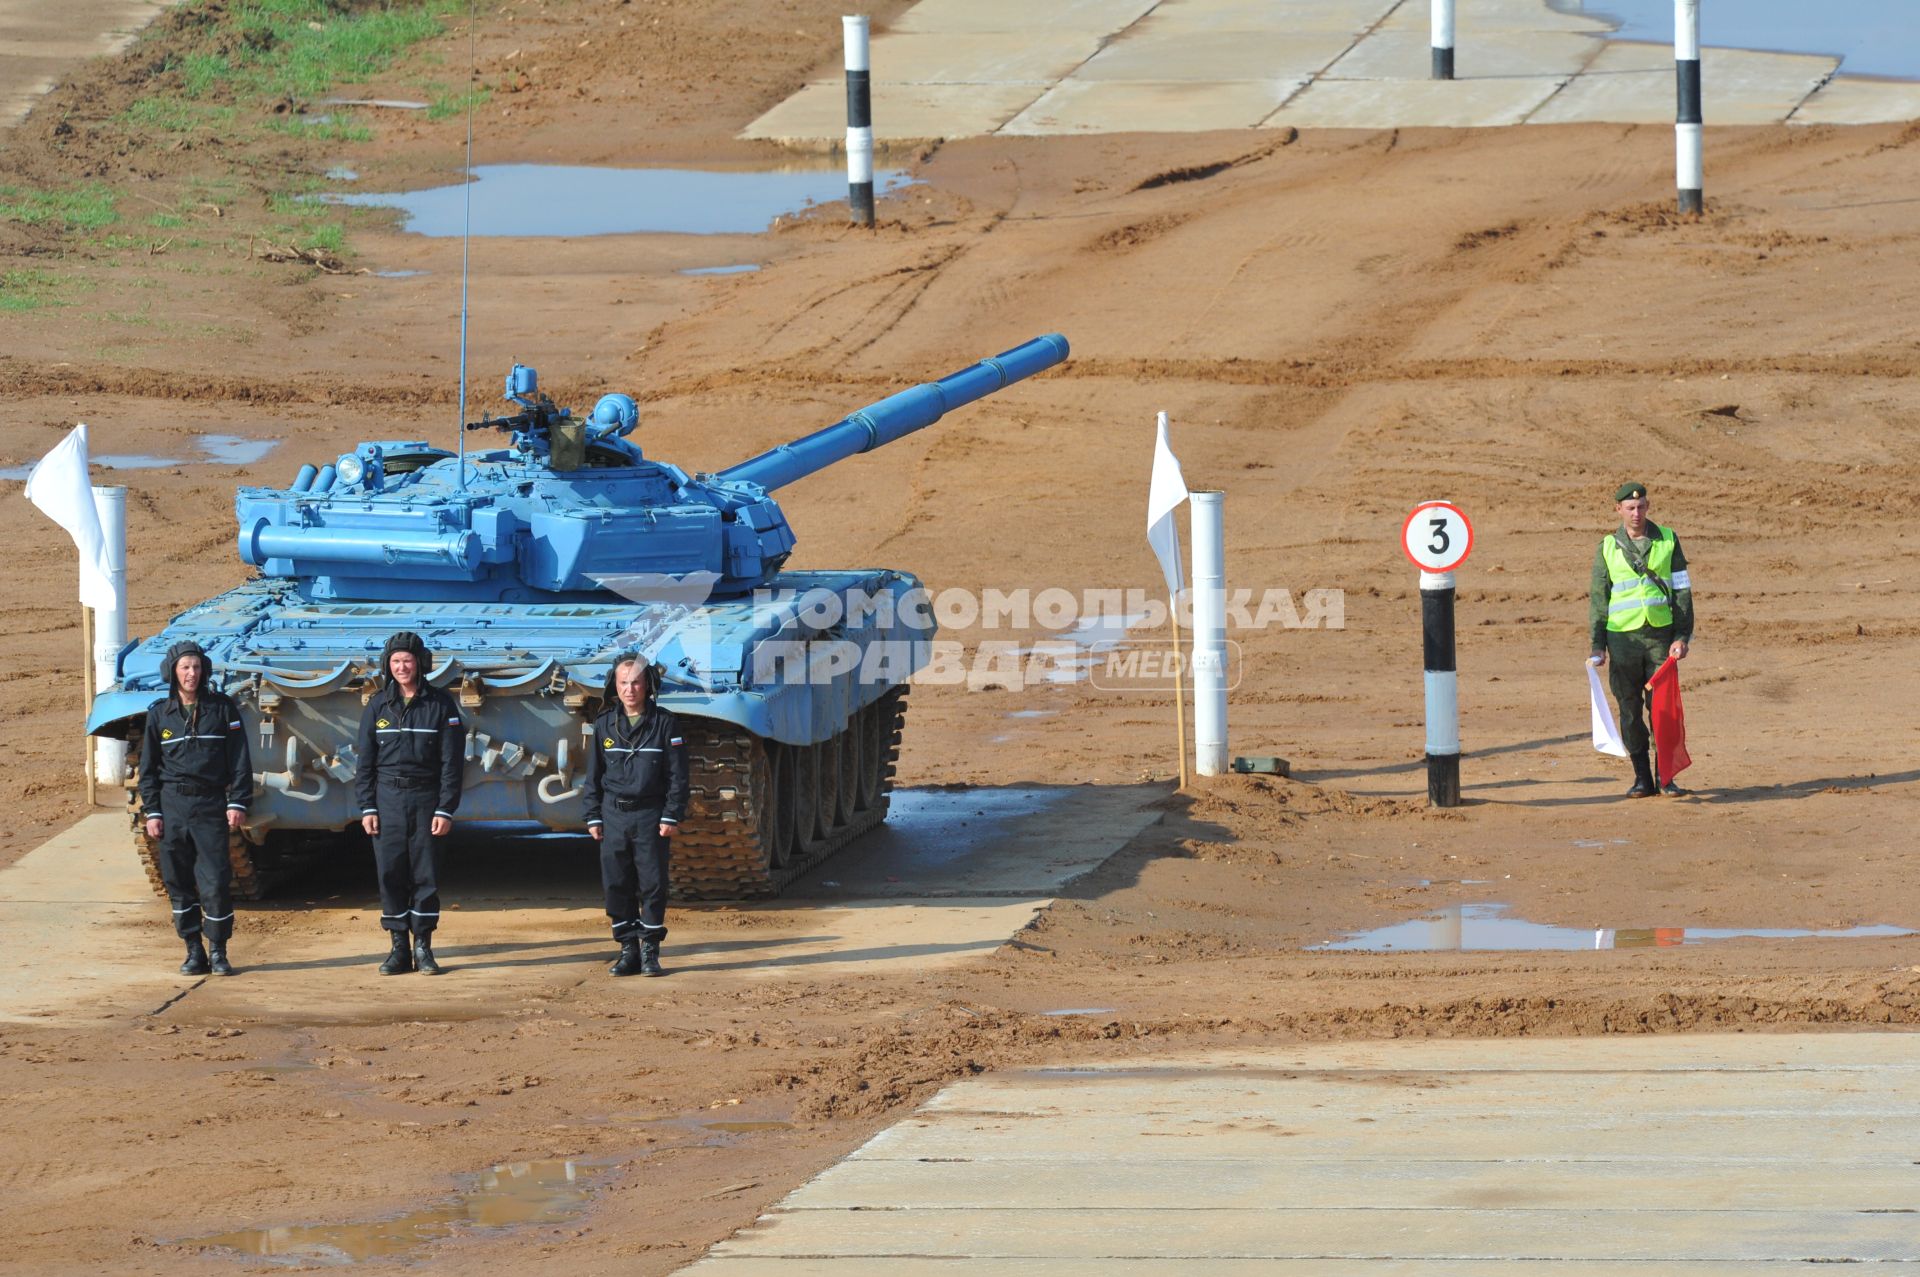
[1334, 373]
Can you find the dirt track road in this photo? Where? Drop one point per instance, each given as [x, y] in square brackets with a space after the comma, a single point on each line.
[1340, 326]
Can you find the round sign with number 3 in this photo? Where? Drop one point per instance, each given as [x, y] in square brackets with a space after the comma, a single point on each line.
[1437, 536]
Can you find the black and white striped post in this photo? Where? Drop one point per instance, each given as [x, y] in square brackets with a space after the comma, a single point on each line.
[1436, 538]
[1443, 689]
[1442, 17]
[859, 121]
[1688, 161]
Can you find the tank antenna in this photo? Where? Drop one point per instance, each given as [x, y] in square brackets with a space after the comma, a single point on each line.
[466, 238]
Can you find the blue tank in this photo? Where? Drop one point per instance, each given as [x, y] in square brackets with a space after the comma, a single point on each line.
[527, 568]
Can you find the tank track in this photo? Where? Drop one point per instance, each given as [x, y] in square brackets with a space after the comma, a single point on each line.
[750, 829]
[254, 875]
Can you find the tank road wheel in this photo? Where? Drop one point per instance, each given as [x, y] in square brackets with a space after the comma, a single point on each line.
[847, 743]
[762, 813]
[779, 767]
[867, 724]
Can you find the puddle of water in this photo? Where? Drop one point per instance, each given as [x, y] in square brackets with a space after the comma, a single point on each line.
[1080, 1011]
[224, 450]
[341, 173]
[736, 1128]
[398, 274]
[721, 270]
[1485, 926]
[236, 450]
[392, 104]
[1871, 37]
[505, 1197]
[555, 200]
[1032, 713]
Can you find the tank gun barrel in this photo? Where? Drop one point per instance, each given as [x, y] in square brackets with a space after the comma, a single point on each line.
[898, 415]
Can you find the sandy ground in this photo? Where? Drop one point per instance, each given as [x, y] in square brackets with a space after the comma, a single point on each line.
[1341, 324]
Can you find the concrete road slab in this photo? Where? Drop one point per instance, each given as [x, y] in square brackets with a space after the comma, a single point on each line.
[1633, 84]
[1214, 56]
[40, 40]
[1118, 106]
[1022, 17]
[1350, 17]
[1139, 1183]
[1200, 1232]
[1378, 104]
[952, 875]
[1855, 101]
[1041, 57]
[901, 112]
[1407, 55]
[1480, 17]
[1013, 840]
[1272, 1172]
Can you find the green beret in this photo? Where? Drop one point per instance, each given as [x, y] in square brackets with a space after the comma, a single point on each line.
[1628, 491]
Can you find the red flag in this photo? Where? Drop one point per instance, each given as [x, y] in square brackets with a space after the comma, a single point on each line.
[1669, 721]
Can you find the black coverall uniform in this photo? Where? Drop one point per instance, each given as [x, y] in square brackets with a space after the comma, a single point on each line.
[195, 767]
[412, 755]
[636, 782]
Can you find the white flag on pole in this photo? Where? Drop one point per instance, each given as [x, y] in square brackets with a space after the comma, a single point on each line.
[63, 489]
[1606, 736]
[1164, 495]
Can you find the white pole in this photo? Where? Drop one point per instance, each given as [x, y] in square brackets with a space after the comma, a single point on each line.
[1442, 21]
[859, 120]
[1443, 689]
[110, 624]
[1688, 160]
[1209, 636]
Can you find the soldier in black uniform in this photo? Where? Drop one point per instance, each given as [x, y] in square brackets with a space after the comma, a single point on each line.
[636, 794]
[412, 753]
[196, 783]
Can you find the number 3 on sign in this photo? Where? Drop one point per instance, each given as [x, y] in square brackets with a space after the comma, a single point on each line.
[1437, 536]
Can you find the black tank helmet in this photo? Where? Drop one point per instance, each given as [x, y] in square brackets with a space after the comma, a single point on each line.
[184, 648]
[654, 673]
[406, 641]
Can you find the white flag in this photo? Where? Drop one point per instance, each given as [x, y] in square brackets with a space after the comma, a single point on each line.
[61, 486]
[1606, 736]
[1164, 495]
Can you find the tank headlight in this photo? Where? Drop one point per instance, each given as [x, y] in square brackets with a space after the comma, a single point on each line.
[349, 468]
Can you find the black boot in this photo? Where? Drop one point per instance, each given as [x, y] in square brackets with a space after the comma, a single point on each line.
[1643, 786]
[650, 958]
[196, 963]
[399, 960]
[628, 962]
[1671, 790]
[423, 953]
[217, 958]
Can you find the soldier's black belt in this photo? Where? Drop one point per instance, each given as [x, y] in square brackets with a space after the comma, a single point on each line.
[635, 804]
[412, 784]
[190, 789]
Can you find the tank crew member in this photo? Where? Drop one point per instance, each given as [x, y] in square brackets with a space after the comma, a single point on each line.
[196, 783]
[636, 794]
[1641, 613]
[412, 754]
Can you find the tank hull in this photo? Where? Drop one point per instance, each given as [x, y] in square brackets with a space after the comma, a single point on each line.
[791, 698]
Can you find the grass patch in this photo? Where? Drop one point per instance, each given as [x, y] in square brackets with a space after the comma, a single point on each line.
[300, 49]
[172, 115]
[334, 128]
[25, 290]
[446, 105]
[307, 223]
[84, 208]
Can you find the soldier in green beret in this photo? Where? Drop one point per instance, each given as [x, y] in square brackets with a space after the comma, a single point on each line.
[1641, 613]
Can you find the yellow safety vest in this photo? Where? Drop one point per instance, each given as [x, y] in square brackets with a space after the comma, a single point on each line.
[1638, 601]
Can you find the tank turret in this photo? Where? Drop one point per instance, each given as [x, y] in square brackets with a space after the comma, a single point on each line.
[570, 505]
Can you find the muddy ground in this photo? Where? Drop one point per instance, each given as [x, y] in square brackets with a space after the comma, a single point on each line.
[1341, 325]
